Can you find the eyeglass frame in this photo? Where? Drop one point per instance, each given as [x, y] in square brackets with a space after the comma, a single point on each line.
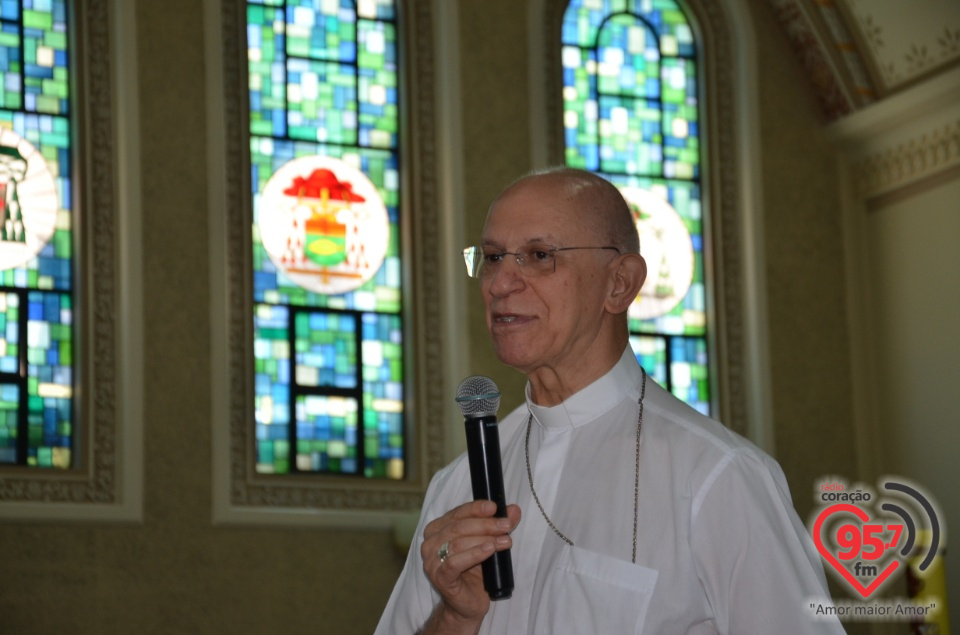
[476, 270]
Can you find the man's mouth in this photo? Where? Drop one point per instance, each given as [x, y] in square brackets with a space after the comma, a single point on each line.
[510, 318]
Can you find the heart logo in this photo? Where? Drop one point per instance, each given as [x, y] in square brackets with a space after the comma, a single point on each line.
[853, 540]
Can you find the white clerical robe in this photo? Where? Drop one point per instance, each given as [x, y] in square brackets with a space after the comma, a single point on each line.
[720, 548]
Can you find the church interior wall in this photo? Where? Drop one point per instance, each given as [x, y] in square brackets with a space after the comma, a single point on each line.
[176, 572]
[809, 358]
[914, 267]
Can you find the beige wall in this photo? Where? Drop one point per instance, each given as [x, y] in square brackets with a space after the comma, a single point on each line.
[175, 572]
[496, 140]
[914, 269]
[810, 369]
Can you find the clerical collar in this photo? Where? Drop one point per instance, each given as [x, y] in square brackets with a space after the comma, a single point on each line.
[595, 400]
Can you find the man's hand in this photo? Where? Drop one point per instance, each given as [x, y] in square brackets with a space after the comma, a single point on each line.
[471, 534]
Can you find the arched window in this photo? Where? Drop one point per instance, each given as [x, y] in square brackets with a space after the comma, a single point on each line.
[328, 330]
[631, 114]
[70, 312]
[37, 278]
[326, 180]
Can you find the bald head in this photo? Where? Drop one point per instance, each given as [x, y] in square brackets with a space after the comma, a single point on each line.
[610, 218]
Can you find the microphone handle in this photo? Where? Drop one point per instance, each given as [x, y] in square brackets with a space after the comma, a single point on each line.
[486, 476]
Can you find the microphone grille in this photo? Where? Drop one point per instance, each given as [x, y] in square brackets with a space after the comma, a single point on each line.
[478, 396]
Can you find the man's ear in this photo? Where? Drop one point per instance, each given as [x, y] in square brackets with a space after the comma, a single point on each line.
[627, 280]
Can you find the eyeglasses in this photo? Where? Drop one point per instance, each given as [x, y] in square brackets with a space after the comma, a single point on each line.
[534, 260]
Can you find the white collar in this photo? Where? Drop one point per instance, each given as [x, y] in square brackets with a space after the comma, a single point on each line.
[588, 404]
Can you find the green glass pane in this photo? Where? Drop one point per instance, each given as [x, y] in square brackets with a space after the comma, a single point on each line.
[266, 71]
[322, 30]
[9, 422]
[326, 433]
[377, 72]
[326, 350]
[631, 137]
[322, 101]
[688, 371]
[11, 63]
[651, 352]
[583, 20]
[271, 386]
[628, 59]
[45, 83]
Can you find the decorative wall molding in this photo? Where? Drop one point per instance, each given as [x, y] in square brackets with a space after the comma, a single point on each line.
[906, 53]
[106, 485]
[907, 140]
[242, 495]
[907, 163]
[814, 54]
[856, 52]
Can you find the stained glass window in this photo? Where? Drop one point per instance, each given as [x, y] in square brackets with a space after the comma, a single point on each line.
[37, 413]
[631, 102]
[327, 284]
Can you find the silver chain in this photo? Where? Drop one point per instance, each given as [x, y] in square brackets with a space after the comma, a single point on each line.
[636, 480]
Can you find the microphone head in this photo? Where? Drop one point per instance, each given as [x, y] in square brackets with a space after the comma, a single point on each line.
[478, 396]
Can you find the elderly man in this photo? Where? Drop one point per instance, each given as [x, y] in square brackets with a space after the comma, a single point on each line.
[640, 515]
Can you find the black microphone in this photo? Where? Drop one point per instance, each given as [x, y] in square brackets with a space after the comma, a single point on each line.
[479, 400]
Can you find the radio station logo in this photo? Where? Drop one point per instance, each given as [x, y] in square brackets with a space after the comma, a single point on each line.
[323, 224]
[868, 538]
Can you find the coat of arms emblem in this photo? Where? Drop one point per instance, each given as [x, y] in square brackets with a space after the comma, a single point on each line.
[667, 247]
[28, 201]
[323, 224]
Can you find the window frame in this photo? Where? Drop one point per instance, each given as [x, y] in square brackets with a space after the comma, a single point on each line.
[241, 495]
[106, 481]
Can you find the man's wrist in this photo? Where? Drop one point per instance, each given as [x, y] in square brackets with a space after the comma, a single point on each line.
[444, 621]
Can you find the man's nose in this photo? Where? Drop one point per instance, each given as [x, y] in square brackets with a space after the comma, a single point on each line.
[508, 277]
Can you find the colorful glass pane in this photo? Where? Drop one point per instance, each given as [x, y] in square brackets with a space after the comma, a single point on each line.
[324, 81]
[9, 332]
[629, 58]
[267, 70]
[322, 101]
[327, 434]
[383, 395]
[651, 352]
[630, 136]
[584, 18]
[377, 9]
[680, 124]
[580, 108]
[11, 95]
[9, 422]
[630, 96]
[45, 57]
[10, 9]
[37, 420]
[689, 370]
[378, 84]
[272, 376]
[326, 350]
[324, 30]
